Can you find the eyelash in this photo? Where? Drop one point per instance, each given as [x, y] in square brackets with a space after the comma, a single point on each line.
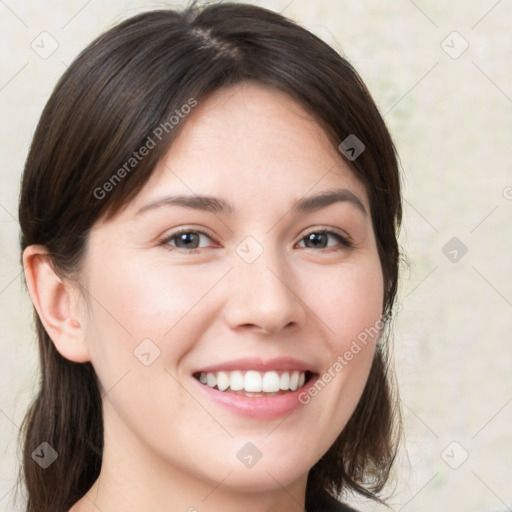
[345, 242]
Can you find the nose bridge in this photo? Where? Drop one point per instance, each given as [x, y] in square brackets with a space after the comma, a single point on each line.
[262, 290]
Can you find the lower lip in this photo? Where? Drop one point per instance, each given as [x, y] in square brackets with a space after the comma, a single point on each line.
[262, 408]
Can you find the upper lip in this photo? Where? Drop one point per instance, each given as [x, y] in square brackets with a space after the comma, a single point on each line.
[258, 364]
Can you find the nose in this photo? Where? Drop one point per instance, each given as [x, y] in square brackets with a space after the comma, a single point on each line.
[263, 296]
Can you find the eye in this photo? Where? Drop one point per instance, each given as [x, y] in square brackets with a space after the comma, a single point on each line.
[189, 239]
[319, 238]
[185, 239]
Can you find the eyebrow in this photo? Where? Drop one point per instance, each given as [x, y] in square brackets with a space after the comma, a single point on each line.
[218, 205]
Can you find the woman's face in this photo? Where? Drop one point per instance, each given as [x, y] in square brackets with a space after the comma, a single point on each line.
[253, 289]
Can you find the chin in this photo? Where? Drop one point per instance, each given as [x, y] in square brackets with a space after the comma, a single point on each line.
[262, 480]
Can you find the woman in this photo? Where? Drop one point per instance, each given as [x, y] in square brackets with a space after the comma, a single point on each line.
[209, 215]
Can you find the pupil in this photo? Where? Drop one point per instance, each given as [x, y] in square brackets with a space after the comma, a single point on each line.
[186, 237]
[315, 238]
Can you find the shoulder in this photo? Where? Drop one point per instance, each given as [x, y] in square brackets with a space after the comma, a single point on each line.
[325, 503]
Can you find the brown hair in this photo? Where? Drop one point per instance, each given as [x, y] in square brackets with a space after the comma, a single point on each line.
[124, 85]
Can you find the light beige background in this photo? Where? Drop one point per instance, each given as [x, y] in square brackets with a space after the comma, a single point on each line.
[451, 118]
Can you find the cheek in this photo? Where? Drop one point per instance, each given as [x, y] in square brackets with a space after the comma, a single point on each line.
[130, 303]
[350, 305]
[349, 309]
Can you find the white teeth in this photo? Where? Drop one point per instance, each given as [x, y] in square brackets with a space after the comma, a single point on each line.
[270, 382]
[253, 381]
[294, 381]
[284, 381]
[211, 380]
[236, 381]
[222, 381]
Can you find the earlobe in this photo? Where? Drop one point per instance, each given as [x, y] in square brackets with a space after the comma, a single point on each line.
[56, 303]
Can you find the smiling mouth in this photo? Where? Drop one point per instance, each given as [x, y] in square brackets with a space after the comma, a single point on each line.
[253, 383]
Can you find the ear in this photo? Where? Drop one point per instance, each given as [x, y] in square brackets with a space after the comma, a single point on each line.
[57, 304]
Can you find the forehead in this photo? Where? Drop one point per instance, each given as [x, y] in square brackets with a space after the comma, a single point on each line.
[250, 140]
